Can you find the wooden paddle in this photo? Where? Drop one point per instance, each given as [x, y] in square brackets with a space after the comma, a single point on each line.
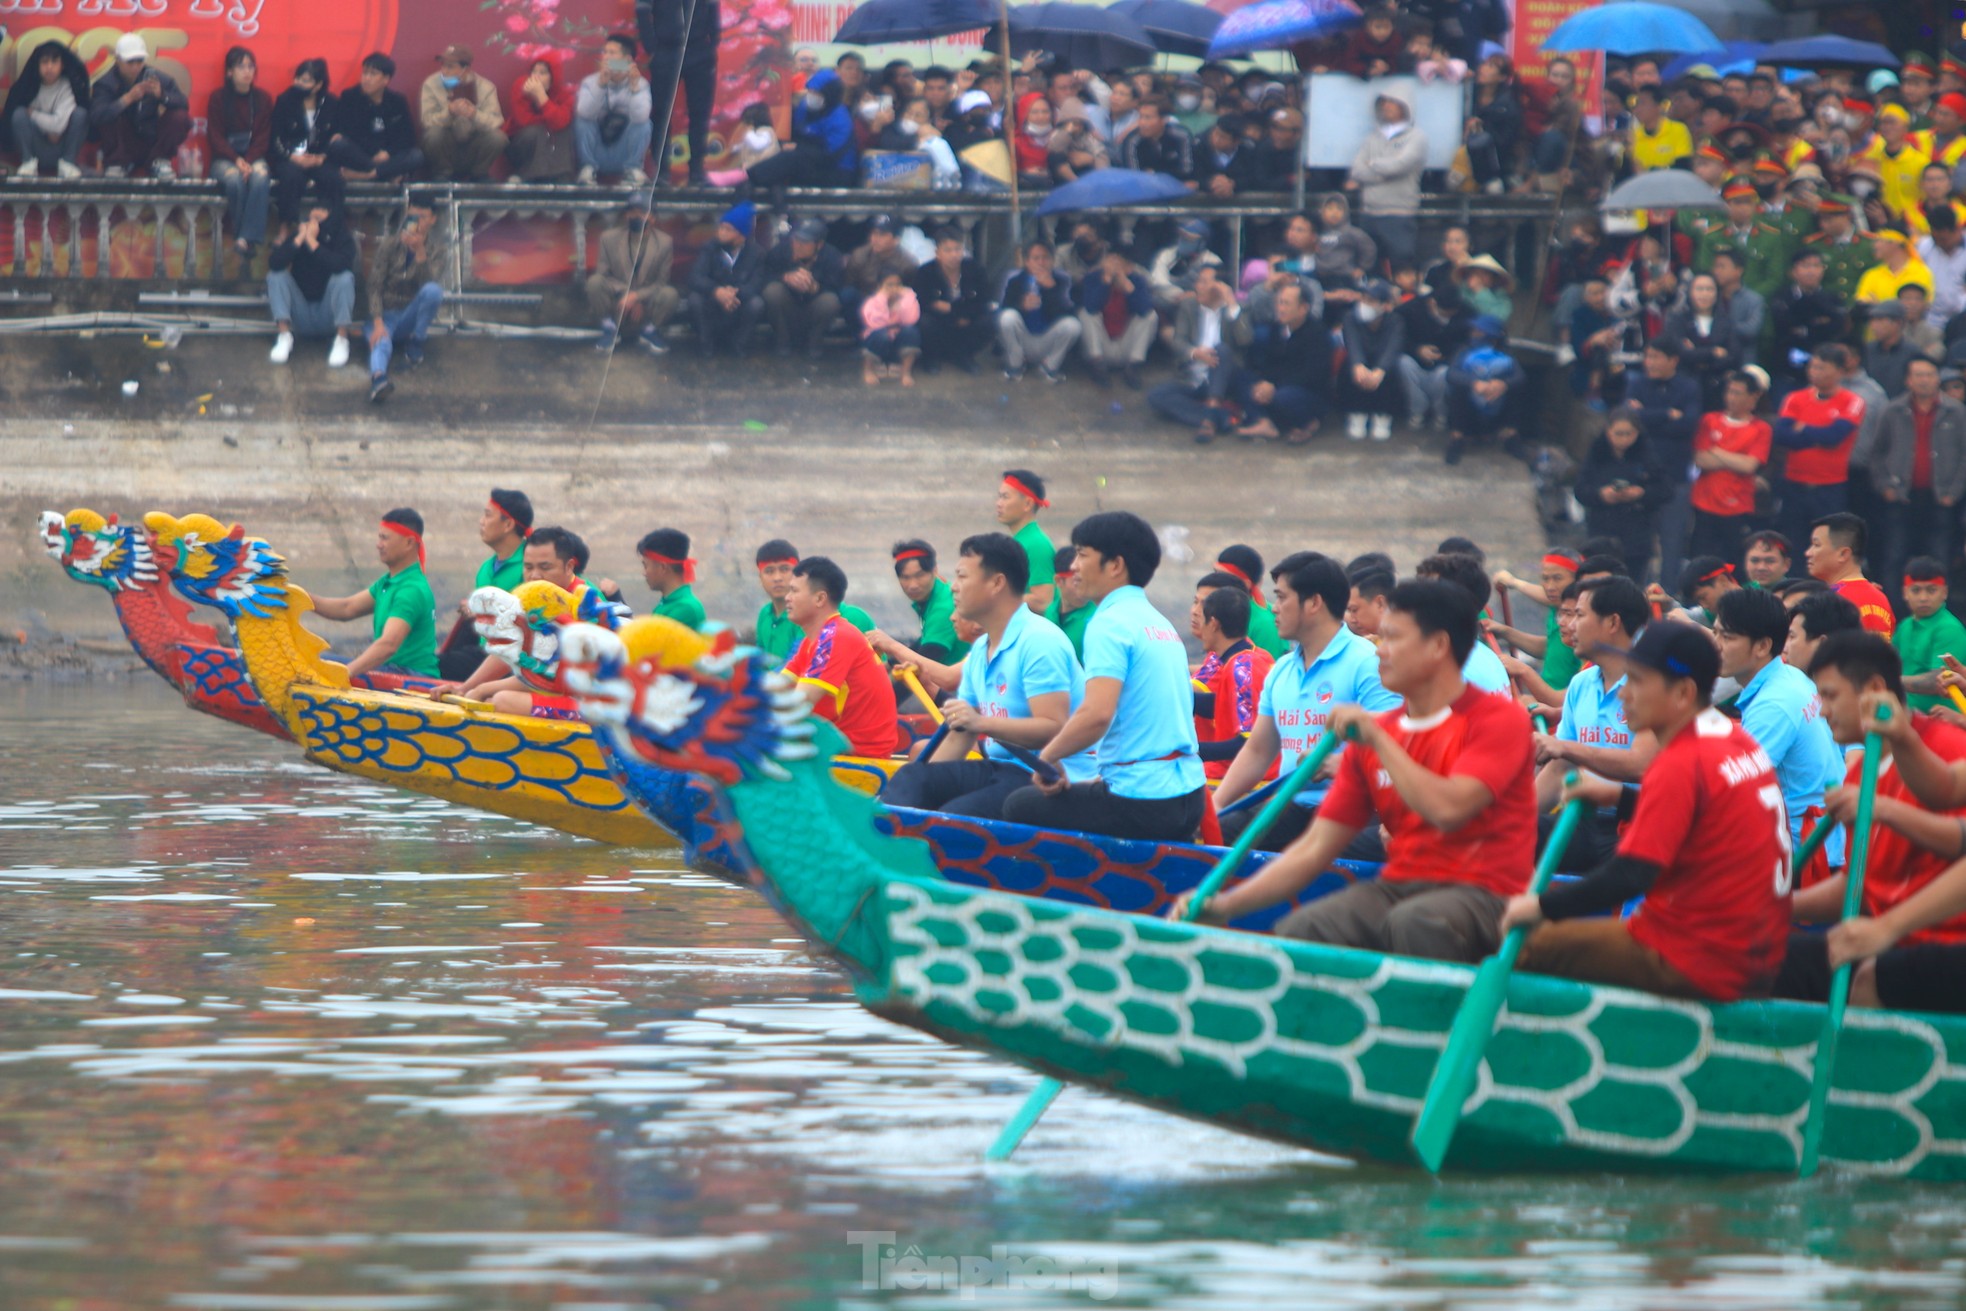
[914, 684]
[1839, 986]
[1467, 1042]
[1958, 697]
[1041, 1097]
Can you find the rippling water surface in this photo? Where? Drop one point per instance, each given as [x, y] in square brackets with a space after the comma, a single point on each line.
[273, 1038]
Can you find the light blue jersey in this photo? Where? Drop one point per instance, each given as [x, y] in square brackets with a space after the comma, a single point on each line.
[1781, 712]
[1300, 700]
[1150, 751]
[1033, 659]
[1484, 670]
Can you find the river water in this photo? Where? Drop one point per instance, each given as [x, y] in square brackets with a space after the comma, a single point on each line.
[272, 1039]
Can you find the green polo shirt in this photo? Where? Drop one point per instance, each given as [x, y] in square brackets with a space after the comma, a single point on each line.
[1921, 642]
[506, 574]
[938, 616]
[1263, 631]
[1073, 623]
[406, 596]
[778, 637]
[682, 606]
[1042, 554]
[1560, 663]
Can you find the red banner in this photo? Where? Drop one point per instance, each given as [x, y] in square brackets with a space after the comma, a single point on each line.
[1534, 21]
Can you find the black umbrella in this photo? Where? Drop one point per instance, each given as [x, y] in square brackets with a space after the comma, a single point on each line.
[1177, 27]
[890, 22]
[1088, 36]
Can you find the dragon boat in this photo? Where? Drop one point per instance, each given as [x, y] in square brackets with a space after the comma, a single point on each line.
[609, 673]
[1323, 1047]
[125, 561]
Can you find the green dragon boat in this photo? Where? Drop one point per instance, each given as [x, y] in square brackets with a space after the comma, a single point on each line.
[1322, 1047]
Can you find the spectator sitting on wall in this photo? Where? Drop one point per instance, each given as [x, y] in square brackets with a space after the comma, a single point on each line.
[1385, 177]
[1159, 144]
[1346, 256]
[138, 114]
[630, 290]
[612, 117]
[1284, 379]
[725, 284]
[310, 285]
[1435, 329]
[868, 264]
[542, 144]
[239, 130]
[303, 124]
[1226, 163]
[47, 114]
[374, 136]
[463, 126]
[822, 151]
[956, 310]
[1203, 346]
[408, 272]
[891, 336]
[1484, 387]
[1116, 312]
[1037, 321]
[1176, 266]
[802, 288]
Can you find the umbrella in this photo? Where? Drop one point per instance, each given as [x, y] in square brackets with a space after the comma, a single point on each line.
[1177, 27]
[1664, 188]
[1733, 57]
[888, 22]
[1638, 28]
[1104, 188]
[1830, 52]
[1089, 36]
[1730, 20]
[1277, 23]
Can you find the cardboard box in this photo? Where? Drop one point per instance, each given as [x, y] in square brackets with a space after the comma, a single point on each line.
[896, 170]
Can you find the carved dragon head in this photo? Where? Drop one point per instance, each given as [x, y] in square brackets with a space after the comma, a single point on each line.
[221, 567]
[681, 700]
[92, 549]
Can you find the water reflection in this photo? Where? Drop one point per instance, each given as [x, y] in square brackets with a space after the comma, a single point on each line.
[271, 1038]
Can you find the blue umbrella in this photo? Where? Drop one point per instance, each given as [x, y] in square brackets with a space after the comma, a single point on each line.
[889, 22]
[1177, 27]
[1830, 52]
[1633, 29]
[1733, 57]
[1089, 36]
[1274, 24]
[1104, 188]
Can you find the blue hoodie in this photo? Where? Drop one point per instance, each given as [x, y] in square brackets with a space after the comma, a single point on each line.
[829, 128]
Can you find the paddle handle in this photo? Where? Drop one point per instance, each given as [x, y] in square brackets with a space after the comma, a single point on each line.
[1958, 697]
[1044, 769]
[1265, 819]
[1253, 797]
[914, 684]
[935, 740]
[1839, 984]
[1474, 1024]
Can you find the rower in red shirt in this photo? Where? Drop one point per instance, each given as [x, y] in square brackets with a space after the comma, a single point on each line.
[1835, 556]
[1451, 775]
[1233, 675]
[1707, 847]
[1910, 935]
[838, 670]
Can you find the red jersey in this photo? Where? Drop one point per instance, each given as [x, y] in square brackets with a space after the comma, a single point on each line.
[860, 697]
[1237, 684]
[1710, 815]
[1483, 735]
[1822, 466]
[1871, 603]
[1721, 491]
[1897, 867]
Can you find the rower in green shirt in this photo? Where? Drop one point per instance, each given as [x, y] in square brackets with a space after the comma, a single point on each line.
[669, 571]
[777, 636]
[1245, 563]
[404, 633]
[1930, 631]
[933, 603]
[1560, 663]
[503, 526]
[1074, 620]
[1019, 498]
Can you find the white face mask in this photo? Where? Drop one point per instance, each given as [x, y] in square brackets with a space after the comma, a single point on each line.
[909, 127]
[1368, 312]
[1039, 133]
[1187, 104]
[869, 109]
[758, 138]
[815, 102]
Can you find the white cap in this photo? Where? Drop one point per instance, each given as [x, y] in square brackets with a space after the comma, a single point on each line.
[972, 100]
[131, 46]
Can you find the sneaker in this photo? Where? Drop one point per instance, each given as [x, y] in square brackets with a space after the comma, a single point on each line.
[1355, 427]
[609, 331]
[651, 341]
[413, 356]
[1050, 374]
[1456, 448]
[67, 170]
[1130, 375]
[1013, 375]
[338, 353]
[163, 172]
[515, 181]
[634, 177]
[379, 387]
[586, 175]
[283, 348]
[116, 171]
[1382, 427]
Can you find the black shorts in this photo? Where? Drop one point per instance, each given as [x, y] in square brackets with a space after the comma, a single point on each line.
[1921, 977]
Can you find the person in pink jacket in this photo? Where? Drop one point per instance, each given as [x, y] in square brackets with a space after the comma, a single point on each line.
[892, 335]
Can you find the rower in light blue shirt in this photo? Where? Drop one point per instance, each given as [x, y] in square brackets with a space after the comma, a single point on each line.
[1035, 657]
[1150, 750]
[1778, 703]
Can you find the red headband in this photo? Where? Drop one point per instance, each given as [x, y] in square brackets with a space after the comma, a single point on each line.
[1936, 578]
[392, 526]
[1725, 571]
[523, 530]
[1017, 486]
[687, 566]
[766, 564]
[1255, 592]
[1563, 562]
[899, 556]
